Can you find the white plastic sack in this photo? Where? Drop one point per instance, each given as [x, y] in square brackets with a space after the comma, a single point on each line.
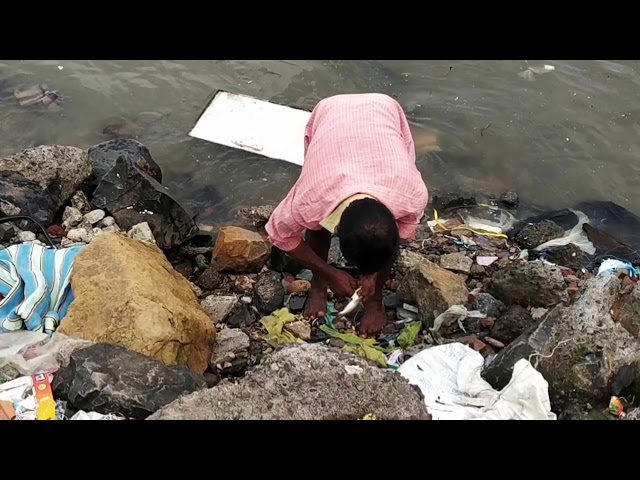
[576, 235]
[82, 415]
[449, 378]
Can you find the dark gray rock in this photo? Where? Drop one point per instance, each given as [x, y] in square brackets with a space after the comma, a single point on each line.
[202, 263]
[209, 279]
[108, 378]
[7, 232]
[529, 283]
[104, 156]
[566, 256]
[488, 305]
[512, 324]
[57, 169]
[305, 382]
[268, 292]
[132, 197]
[531, 236]
[578, 349]
[626, 310]
[242, 317]
[391, 300]
[297, 302]
[21, 196]
[510, 199]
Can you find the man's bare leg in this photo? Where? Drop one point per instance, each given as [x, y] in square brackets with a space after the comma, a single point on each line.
[316, 305]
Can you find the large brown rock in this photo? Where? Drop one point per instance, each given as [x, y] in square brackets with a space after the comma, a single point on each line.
[240, 250]
[58, 169]
[432, 289]
[126, 293]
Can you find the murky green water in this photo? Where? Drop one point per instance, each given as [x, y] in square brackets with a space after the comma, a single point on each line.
[570, 134]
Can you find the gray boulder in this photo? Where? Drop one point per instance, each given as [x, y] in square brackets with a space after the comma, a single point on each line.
[304, 382]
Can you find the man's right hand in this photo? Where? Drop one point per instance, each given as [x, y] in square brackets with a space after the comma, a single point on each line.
[341, 283]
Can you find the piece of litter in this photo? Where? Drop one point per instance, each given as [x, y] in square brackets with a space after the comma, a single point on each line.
[486, 261]
[257, 126]
[549, 68]
[410, 308]
[393, 360]
[60, 67]
[353, 369]
[611, 266]
[449, 378]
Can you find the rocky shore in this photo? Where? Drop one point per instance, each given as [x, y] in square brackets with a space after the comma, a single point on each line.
[169, 322]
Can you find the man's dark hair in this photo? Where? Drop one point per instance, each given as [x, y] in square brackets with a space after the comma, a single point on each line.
[369, 237]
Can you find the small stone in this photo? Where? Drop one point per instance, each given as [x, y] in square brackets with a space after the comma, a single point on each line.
[297, 302]
[240, 250]
[391, 300]
[110, 229]
[246, 300]
[7, 232]
[94, 216]
[487, 323]
[143, 233]
[488, 305]
[183, 266]
[268, 292]
[209, 279]
[24, 237]
[477, 271]
[298, 287]
[218, 307]
[242, 317]
[532, 236]
[337, 343]
[81, 235]
[212, 379]
[510, 199]
[71, 218]
[538, 313]
[511, 324]
[228, 340]
[456, 262]
[106, 222]
[80, 202]
[473, 342]
[243, 284]
[202, 263]
[301, 329]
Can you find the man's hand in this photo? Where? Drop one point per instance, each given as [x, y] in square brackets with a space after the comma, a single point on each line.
[341, 283]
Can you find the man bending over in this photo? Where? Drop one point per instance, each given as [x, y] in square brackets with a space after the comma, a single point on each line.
[359, 180]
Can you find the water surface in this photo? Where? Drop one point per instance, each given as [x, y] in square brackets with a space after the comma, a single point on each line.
[568, 135]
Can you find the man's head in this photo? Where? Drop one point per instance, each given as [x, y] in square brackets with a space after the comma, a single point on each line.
[369, 236]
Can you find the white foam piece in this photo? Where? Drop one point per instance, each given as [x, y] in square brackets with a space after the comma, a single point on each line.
[257, 126]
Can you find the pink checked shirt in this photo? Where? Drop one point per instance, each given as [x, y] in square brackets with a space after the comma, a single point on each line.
[353, 144]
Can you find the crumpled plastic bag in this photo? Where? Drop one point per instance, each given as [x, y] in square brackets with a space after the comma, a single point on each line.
[455, 313]
[26, 352]
[274, 324]
[82, 415]
[409, 334]
[449, 378]
[365, 347]
[576, 235]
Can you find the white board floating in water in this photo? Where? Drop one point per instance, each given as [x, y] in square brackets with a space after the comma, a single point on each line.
[257, 126]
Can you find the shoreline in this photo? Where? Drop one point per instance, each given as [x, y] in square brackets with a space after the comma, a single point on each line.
[503, 300]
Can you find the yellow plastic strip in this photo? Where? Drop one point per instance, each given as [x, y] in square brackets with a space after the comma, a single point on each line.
[462, 227]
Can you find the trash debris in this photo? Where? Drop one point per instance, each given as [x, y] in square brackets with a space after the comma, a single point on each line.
[330, 314]
[449, 378]
[409, 334]
[305, 275]
[611, 266]
[394, 359]
[406, 315]
[7, 412]
[615, 407]
[365, 347]
[528, 74]
[31, 397]
[486, 261]
[274, 324]
[45, 405]
[576, 235]
[82, 415]
[38, 94]
[456, 313]
[369, 416]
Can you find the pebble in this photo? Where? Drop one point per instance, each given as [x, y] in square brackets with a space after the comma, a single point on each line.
[246, 300]
[80, 235]
[201, 262]
[94, 216]
[143, 233]
[71, 218]
[106, 222]
[493, 342]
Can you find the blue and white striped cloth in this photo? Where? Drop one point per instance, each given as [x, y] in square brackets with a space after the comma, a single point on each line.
[34, 281]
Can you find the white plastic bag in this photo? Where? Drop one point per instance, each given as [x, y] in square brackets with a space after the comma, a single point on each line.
[25, 353]
[576, 235]
[449, 378]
